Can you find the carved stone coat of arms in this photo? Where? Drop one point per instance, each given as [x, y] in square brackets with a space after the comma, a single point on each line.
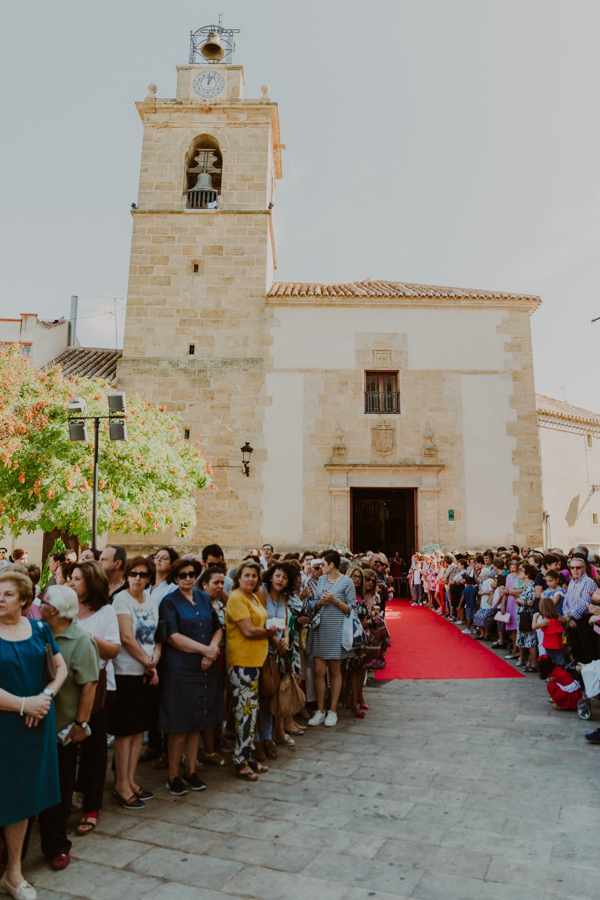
[382, 438]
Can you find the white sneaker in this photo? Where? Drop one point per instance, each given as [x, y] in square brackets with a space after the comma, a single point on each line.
[24, 891]
[466, 631]
[317, 719]
[330, 718]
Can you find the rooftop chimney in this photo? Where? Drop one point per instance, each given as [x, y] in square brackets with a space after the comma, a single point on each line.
[73, 321]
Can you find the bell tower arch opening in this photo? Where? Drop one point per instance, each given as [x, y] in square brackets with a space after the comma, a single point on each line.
[203, 173]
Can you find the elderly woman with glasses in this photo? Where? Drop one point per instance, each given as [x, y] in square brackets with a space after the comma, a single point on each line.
[192, 696]
[135, 668]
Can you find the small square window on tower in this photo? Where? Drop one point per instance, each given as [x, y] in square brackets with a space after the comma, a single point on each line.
[186, 434]
[590, 441]
[594, 518]
[191, 350]
[195, 268]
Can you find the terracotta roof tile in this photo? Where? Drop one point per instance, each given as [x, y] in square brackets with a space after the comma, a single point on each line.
[90, 362]
[386, 289]
[561, 410]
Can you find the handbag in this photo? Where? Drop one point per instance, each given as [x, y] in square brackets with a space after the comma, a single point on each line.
[161, 635]
[502, 617]
[290, 698]
[353, 634]
[50, 663]
[100, 695]
[525, 621]
[269, 679]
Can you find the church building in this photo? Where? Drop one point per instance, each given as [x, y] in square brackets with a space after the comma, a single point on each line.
[381, 415]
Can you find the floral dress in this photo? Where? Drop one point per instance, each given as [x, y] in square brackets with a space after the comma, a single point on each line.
[526, 638]
[371, 655]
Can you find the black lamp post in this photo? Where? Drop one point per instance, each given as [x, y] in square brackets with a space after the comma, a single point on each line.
[247, 452]
[78, 432]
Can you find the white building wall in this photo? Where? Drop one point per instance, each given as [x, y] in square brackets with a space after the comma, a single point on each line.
[309, 338]
[569, 469]
[489, 473]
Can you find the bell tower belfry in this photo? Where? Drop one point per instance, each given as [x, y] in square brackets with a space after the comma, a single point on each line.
[202, 261]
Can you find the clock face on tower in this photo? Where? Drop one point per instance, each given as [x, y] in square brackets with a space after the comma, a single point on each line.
[209, 84]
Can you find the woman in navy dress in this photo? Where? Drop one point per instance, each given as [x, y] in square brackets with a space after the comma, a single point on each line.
[27, 725]
[192, 697]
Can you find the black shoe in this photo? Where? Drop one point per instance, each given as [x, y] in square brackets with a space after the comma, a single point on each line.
[194, 782]
[593, 737]
[177, 787]
[144, 795]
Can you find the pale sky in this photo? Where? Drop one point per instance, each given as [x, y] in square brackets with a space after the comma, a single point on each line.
[449, 142]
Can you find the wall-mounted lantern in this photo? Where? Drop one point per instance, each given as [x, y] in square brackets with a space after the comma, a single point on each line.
[247, 452]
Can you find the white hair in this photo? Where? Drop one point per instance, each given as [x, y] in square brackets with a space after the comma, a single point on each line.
[63, 599]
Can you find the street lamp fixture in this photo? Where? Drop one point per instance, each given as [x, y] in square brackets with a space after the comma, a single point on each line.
[247, 452]
[117, 429]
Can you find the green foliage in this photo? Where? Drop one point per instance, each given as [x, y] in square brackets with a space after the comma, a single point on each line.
[431, 548]
[59, 547]
[146, 483]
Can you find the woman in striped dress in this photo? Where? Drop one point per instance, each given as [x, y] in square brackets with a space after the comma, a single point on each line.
[334, 598]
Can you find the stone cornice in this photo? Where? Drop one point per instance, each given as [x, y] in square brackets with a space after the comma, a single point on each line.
[404, 465]
[201, 212]
[408, 302]
[545, 421]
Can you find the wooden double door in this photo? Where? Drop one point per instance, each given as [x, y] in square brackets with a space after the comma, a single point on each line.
[384, 519]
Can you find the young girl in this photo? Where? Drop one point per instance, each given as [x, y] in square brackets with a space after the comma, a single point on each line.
[556, 589]
[564, 691]
[548, 621]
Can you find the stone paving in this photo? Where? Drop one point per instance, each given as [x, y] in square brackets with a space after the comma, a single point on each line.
[461, 790]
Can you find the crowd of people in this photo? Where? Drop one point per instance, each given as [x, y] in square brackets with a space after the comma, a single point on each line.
[175, 652]
[541, 609]
[207, 666]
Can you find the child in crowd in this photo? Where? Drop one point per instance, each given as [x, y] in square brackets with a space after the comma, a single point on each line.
[468, 601]
[548, 621]
[485, 613]
[556, 589]
[565, 692]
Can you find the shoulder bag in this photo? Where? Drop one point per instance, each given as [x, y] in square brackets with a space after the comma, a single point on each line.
[290, 698]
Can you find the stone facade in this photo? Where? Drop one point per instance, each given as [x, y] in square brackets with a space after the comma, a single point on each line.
[283, 366]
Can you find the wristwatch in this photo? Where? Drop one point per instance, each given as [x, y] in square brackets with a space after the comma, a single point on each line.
[337, 603]
[80, 724]
[48, 692]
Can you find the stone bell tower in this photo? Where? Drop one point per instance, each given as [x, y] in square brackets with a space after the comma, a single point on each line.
[202, 260]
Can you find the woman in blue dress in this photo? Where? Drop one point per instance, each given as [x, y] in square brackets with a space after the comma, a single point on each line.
[27, 725]
[192, 696]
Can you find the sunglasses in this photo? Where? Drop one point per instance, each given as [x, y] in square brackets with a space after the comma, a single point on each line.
[139, 575]
[187, 575]
[577, 567]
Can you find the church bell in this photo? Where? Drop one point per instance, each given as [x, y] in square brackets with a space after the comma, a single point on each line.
[212, 47]
[203, 195]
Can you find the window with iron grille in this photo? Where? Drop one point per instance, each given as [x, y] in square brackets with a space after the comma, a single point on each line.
[381, 393]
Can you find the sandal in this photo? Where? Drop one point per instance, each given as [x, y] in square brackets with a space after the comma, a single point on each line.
[286, 740]
[270, 750]
[161, 763]
[245, 776]
[364, 706]
[359, 714]
[257, 767]
[497, 646]
[531, 669]
[148, 754]
[215, 759]
[87, 824]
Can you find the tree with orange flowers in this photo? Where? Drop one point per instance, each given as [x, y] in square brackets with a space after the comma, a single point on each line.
[145, 484]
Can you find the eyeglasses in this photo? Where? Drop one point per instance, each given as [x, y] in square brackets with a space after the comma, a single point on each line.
[139, 575]
[47, 603]
[187, 575]
[162, 559]
[577, 567]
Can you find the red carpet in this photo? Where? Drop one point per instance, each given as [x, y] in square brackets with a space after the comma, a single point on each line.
[424, 645]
